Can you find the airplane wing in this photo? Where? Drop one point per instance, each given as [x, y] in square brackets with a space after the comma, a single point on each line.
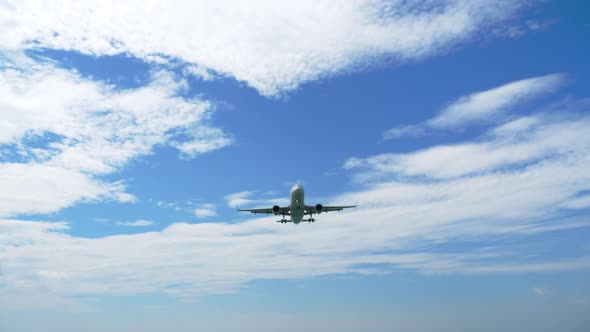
[282, 211]
[314, 209]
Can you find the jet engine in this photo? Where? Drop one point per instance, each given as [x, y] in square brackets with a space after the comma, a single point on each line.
[276, 209]
[318, 208]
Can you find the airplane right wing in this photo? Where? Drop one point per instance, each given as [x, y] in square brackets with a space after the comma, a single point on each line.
[320, 208]
[336, 208]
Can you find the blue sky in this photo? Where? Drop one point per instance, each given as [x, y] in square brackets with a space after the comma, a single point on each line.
[128, 137]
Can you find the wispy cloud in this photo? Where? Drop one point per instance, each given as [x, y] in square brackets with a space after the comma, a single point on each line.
[520, 29]
[205, 210]
[540, 291]
[136, 223]
[482, 106]
[518, 143]
[279, 45]
[404, 131]
[242, 199]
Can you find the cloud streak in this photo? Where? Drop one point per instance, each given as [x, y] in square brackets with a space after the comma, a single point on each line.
[485, 104]
[520, 142]
[482, 106]
[136, 223]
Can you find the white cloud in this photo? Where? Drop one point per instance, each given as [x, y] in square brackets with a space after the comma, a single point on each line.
[136, 223]
[205, 210]
[404, 131]
[483, 106]
[191, 260]
[520, 29]
[540, 291]
[203, 139]
[522, 141]
[400, 224]
[91, 129]
[274, 46]
[580, 202]
[241, 199]
[516, 126]
[34, 188]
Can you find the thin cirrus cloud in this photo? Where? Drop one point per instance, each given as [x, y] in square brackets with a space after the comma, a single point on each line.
[482, 106]
[87, 129]
[273, 46]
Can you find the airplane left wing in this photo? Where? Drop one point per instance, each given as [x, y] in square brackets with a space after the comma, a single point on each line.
[280, 210]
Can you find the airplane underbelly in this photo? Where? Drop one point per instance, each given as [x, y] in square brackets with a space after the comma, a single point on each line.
[297, 213]
[297, 204]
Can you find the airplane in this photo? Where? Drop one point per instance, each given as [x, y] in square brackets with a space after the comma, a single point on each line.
[297, 209]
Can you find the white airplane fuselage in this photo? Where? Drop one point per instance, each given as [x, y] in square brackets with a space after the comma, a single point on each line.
[297, 203]
[297, 209]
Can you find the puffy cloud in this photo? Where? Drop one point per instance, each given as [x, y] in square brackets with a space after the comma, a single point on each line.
[66, 130]
[35, 188]
[274, 46]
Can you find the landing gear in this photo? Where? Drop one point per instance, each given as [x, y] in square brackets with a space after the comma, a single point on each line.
[283, 221]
